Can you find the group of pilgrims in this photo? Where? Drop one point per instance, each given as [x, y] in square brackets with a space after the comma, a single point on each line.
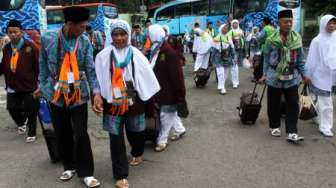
[128, 83]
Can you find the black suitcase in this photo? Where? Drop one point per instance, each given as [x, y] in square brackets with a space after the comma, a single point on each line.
[48, 131]
[250, 106]
[202, 76]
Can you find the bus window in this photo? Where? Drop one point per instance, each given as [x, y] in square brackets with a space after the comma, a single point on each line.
[243, 7]
[110, 12]
[200, 8]
[219, 7]
[55, 16]
[166, 14]
[11, 4]
[183, 10]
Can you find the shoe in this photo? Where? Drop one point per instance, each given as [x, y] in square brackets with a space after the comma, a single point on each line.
[176, 137]
[223, 91]
[294, 138]
[235, 86]
[327, 133]
[123, 183]
[136, 161]
[30, 139]
[161, 147]
[91, 182]
[67, 175]
[22, 129]
[276, 132]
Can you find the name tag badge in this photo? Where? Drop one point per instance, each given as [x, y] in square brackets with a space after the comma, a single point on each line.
[71, 78]
[117, 92]
[286, 77]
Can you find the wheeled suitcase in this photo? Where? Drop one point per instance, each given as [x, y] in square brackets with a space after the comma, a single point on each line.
[250, 105]
[48, 130]
[202, 76]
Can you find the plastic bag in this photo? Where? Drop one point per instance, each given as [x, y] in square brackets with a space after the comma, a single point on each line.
[246, 63]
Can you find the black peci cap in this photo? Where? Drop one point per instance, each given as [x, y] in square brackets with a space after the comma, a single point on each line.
[285, 14]
[76, 14]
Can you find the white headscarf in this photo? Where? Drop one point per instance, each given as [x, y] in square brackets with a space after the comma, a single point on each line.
[224, 45]
[321, 60]
[156, 33]
[157, 36]
[202, 42]
[145, 82]
[236, 30]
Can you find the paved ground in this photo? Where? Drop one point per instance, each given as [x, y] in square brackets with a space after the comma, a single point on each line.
[217, 152]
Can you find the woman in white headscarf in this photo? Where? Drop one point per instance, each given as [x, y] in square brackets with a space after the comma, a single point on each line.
[167, 66]
[321, 67]
[223, 57]
[126, 80]
[237, 36]
[202, 44]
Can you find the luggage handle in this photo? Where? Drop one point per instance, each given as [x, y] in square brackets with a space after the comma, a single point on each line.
[254, 91]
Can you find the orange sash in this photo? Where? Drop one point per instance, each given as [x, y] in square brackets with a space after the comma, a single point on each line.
[120, 98]
[70, 64]
[14, 59]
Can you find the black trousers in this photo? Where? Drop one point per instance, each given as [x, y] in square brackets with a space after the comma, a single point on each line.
[72, 138]
[22, 106]
[118, 150]
[274, 107]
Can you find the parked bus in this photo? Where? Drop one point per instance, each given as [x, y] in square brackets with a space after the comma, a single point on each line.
[31, 14]
[101, 16]
[180, 15]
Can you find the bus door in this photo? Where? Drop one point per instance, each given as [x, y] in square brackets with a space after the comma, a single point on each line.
[167, 17]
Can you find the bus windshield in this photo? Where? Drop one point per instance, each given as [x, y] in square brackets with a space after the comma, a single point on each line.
[6, 5]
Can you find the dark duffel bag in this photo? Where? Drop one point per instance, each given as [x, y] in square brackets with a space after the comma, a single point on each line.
[48, 131]
[250, 106]
[202, 76]
[152, 127]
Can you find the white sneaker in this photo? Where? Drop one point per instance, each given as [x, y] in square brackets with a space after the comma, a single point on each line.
[295, 138]
[223, 91]
[327, 133]
[235, 86]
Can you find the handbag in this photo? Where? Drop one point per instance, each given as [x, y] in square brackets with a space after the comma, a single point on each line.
[307, 106]
[182, 109]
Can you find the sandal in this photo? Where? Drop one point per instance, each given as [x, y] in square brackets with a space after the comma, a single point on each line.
[136, 161]
[91, 182]
[161, 147]
[30, 139]
[67, 175]
[176, 137]
[123, 183]
[22, 129]
[276, 132]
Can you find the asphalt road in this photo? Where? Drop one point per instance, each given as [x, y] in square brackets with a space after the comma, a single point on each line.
[217, 151]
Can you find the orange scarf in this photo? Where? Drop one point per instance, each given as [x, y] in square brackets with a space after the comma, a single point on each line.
[70, 64]
[14, 59]
[120, 103]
